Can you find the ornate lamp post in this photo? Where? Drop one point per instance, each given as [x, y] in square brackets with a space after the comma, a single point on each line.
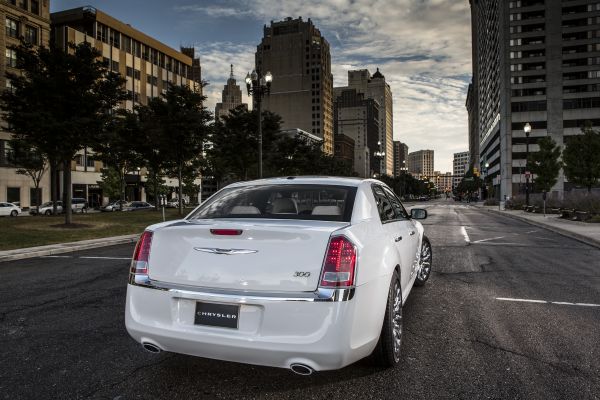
[379, 155]
[527, 130]
[259, 86]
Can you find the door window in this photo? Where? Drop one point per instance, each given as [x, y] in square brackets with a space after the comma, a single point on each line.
[396, 204]
[384, 206]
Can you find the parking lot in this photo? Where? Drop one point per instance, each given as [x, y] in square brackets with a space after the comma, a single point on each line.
[511, 311]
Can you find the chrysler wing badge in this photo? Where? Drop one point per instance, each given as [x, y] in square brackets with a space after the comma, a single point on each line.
[228, 252]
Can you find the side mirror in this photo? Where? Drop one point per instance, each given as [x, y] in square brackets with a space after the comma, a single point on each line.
[418, 213]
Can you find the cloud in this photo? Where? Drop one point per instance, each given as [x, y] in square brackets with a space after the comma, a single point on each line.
[421, 46]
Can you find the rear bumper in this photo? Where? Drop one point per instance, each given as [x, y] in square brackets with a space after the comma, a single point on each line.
[274, 330]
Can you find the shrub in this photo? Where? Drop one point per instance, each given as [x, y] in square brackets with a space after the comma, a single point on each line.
[492, 201]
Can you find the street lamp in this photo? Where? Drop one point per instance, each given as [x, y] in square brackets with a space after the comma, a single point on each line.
[527, 130]
[379, 155]
[258, 86]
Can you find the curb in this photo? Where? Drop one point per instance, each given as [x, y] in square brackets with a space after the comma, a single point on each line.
[61, 248]
[564, 232]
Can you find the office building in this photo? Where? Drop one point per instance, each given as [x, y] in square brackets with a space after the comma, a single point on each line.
[536, 62]
[148, 66]
[231, 97]
[344, 149]
[442, 181]
[31, 21]
[297, 55]
[400, 157]
[375, 87]
[358, 118]
[460, 165]
[420, 163]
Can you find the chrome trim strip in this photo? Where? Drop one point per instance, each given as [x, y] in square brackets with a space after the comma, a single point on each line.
[240, 296]
[214, 250]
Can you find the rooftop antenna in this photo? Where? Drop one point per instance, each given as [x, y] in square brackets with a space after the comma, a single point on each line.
[231, 76]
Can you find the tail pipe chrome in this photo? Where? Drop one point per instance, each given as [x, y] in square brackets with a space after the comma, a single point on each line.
[151, 348]
[301, 369]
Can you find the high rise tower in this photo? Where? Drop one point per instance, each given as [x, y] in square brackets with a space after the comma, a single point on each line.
[297, 55]
[231, 97]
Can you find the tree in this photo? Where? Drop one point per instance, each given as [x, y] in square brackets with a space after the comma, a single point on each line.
[233, 153]
[111, 183]
[581, 158]
[29, 161]
[114, 146]
[182, 121]
[545, 164]
[60, 100]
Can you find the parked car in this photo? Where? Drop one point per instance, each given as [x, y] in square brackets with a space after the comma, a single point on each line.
[137, 206]
[302, 273]
[47, 209]
[114, 206]
[79, 204]
[9, 210]
[174, 203]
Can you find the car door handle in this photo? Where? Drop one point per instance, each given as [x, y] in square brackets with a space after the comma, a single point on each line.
[412, 233]
[399, 238]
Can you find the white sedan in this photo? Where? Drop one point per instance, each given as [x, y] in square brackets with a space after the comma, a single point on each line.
[9, 210]
[303, 273]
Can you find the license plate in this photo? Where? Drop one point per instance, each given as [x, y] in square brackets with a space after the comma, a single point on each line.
[221, 315]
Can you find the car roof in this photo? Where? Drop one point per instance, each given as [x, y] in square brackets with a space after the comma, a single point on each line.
[305, 180]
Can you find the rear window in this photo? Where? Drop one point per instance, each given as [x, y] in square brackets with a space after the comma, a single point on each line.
[309, 202]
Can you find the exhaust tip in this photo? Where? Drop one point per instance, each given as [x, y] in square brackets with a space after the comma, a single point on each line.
[301, 369]
[152, 348]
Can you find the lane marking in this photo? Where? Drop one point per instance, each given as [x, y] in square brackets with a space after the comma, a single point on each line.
[560, 303]
[463, 230]
[501, 244]
[57, 256]
[485, 240]
[537, 230]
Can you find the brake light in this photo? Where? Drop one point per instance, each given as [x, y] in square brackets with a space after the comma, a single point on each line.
[139, 263]
[340, 263]
[226, 232]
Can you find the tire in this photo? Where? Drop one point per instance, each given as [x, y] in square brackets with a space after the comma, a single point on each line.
[14, 213]
[48, 212]
[387, 351]
[425, 262]
[84, 210]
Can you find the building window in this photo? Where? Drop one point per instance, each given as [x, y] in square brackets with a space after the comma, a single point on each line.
[129, 72]
[115, 39]
[79, 160]
[136, 74]
[12, 27]
[89, 162]
[11, 58]
[589, 102]
[31, 34]
[115, 66]
[102, 33]
[9, 85]
[23, 4]
[13, 195]
[35, 7]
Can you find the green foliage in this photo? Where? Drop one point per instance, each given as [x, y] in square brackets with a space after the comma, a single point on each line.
[29, 160]
[111, 183]
[175, 126]
[545, 164]
[60, 101]
[470, 183]
[581, 158]
[407, 185]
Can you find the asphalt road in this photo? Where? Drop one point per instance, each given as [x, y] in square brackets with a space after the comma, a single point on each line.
[62, 334]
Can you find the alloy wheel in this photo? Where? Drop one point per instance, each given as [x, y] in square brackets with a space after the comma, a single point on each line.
[425, 261]
[397, 321]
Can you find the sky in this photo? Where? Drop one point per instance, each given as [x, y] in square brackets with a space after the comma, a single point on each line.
[423, 47]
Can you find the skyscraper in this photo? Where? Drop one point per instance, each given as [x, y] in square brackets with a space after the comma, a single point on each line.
[537, 62]
[358, 119]
[460, 165]
[420, 163]
[400, 157]
[231, 97]
[297, 55]
[375, 87]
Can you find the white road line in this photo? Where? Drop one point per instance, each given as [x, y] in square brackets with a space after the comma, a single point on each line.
[57, 256]
[560, 303]
[485, 240]
[521, 300]
[463, 230]
[537, 230]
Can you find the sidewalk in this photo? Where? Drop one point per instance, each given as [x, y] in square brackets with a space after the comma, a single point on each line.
[60, 248]
[588, 233]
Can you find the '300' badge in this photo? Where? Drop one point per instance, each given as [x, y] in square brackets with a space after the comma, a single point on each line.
[301, 274]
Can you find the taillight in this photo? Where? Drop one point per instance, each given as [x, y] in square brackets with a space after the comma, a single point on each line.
[138, 273]
[226, 232]
[340, 263]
